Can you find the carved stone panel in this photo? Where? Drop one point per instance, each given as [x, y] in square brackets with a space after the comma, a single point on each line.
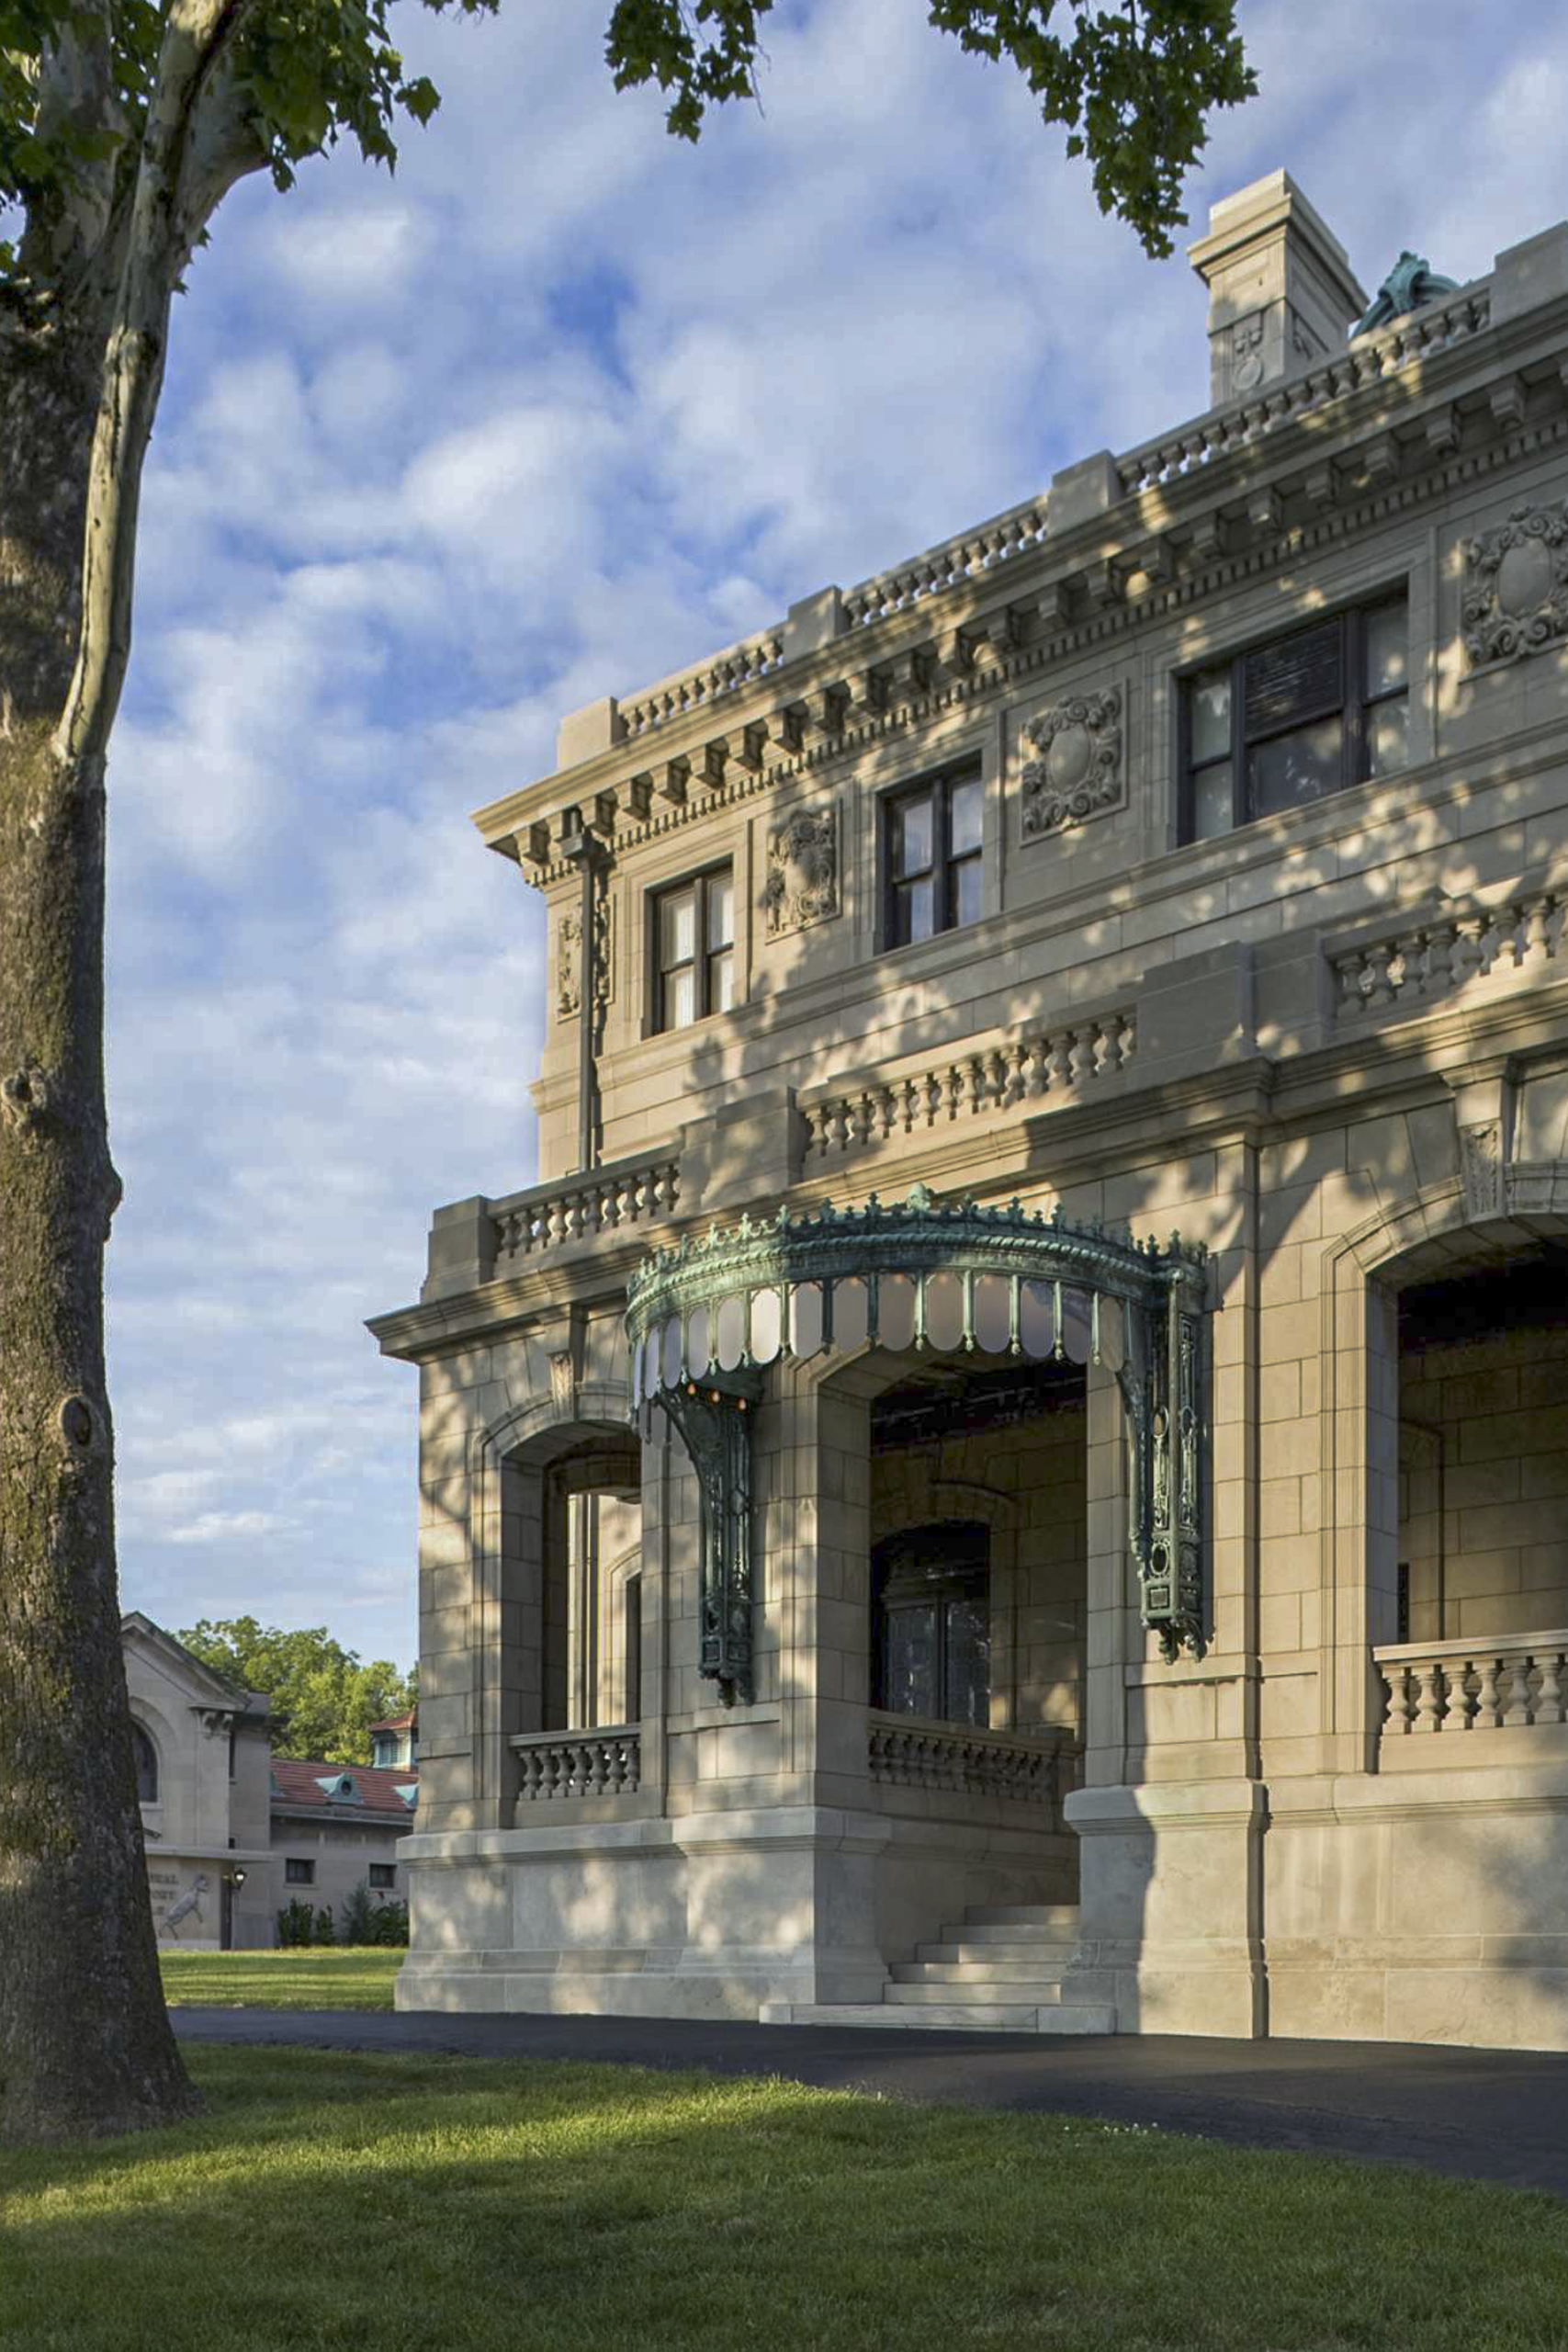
[1073, 768]
[568, 957]
[1516, 585]
[802, 871]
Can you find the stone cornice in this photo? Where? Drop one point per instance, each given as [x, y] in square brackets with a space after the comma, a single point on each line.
[1454, 396]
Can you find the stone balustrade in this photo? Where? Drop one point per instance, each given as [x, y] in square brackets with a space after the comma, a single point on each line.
[637, 1192]
[977, 551]
[1367, 360]
[720, 674]
[1047, 1068]
[1430, 956]
[1510, 1684]
[606, 1763]
[914, 1754]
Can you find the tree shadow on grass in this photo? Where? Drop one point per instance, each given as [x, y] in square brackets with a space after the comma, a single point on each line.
[418, 2201]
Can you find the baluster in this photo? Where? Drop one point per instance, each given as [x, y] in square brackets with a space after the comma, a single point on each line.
[952, 1089]
[1058, 1065]
[1083, 1054]
[1113, 1047]
[1464, 950]
[1379, 986]
[1428, 1697]
[838, 1123]
[887, 1110]
[1549, 1698]
[1518, 1709]
[1401, 1713]
[1347, 972]
[1456, 1681]
[1487, 1714]
[817, 1130]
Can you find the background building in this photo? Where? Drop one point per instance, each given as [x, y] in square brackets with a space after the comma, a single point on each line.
[1054, 1124]
[234, 1833]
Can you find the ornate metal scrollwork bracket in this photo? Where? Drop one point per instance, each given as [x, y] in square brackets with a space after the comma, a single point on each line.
[714, 1418]
[1167, 1431]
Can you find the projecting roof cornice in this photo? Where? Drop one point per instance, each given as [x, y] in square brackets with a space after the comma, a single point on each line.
[1402, 419]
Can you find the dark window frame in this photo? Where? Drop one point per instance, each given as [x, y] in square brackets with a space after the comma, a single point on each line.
[1351, 708]
[940, 1566]
[938, 783]
[704, 958]
[381, 1874]
[298, 1869]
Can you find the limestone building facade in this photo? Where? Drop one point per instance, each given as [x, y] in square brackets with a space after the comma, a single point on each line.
[1011, 1470]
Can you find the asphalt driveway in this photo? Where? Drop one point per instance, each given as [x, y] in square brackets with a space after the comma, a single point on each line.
[1497, 2115]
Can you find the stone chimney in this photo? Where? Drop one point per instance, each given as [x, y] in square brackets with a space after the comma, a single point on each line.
[1281, 291]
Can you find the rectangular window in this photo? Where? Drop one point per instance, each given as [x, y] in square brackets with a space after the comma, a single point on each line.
[1288, 722]
[297, 1872]
[932, 856]
[383, 1873]
[693, 927]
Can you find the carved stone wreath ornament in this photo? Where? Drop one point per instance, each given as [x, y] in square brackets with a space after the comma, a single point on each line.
[1075, 768]
[1516, 585]
[802, 871]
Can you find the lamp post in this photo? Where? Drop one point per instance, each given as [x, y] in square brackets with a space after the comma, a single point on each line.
[232, 1878]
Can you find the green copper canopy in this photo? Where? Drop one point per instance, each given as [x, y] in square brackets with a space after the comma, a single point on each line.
[705, 1319]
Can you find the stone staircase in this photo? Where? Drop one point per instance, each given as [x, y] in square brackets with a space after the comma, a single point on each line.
[999, 1971]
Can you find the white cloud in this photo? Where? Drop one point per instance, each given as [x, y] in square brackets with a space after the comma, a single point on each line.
[565, 406]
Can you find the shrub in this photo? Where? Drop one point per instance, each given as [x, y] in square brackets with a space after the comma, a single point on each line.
[325, 1931]
[390, 1925]
[359, 1916]
[297, 1923]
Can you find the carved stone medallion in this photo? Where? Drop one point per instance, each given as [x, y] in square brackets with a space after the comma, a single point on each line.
[1516, 585]
[802, 871]
[1074, 770]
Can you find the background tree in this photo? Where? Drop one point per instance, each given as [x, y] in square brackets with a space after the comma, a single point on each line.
[123, 124]
[325, 1699]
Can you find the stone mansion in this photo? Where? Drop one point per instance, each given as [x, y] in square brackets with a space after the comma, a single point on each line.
[1025, 1423]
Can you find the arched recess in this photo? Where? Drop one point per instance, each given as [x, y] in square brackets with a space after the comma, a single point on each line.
[1021, 1476]
[1445, 1233]
[533, 1638]
[148, 1773]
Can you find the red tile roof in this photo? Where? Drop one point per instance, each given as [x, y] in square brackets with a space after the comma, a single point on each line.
[298, 1781]
[399, 1723]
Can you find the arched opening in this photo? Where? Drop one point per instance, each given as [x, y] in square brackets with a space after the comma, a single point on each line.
[591, 1551]
[1483, 1441]
[979, 1528]
[146, 1756]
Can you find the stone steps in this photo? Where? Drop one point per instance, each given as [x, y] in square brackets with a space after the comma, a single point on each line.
[1037, 1969]
[964, 2017]
[998, 1969]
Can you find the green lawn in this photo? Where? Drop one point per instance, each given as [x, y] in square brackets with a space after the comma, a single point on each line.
[423, 2204]
[337, 1976]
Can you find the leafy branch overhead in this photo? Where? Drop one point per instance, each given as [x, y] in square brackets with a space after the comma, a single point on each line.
[1133, 85]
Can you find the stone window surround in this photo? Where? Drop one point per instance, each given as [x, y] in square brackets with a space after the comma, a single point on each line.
[940, 781]
[298, 1869]
[1352, 696]
[698, 881]
[638, 884]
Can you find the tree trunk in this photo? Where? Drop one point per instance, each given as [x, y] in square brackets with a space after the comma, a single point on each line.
[85, 2043]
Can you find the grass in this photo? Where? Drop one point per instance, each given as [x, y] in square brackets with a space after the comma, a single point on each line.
[424, 2204]
[335, 1976]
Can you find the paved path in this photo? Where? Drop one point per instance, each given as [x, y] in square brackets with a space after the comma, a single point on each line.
[1486, 2114]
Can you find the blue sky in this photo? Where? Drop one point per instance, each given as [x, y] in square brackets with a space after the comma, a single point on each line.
[562, 405]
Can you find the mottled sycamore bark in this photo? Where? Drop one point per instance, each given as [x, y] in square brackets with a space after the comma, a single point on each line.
[85, 2040]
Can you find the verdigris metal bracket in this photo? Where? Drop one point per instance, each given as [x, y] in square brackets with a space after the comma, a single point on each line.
[715, 1419]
